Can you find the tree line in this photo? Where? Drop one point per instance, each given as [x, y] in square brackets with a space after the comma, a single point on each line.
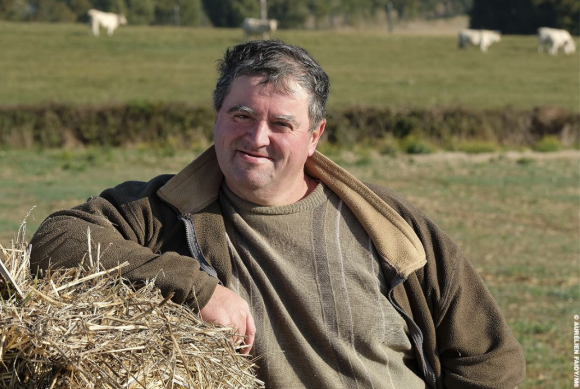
[230, 13]
[507, 16]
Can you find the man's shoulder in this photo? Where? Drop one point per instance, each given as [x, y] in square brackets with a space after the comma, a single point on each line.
[422, 224]
[396, 201]
[152, 184]
[134, 190]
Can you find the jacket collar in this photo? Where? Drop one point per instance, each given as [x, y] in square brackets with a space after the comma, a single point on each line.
[197, 186]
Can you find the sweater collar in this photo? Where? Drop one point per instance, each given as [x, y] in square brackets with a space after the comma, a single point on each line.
[198, 185]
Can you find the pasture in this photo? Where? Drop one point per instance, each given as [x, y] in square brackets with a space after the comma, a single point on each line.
[64, 63]
[515, 214]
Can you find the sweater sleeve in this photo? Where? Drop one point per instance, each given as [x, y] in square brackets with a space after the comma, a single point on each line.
[131, 224]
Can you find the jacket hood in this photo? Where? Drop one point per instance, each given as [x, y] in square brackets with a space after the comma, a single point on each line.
[198, 184]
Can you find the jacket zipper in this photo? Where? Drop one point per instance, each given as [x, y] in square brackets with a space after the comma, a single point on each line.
[194, 248]
[416, 335]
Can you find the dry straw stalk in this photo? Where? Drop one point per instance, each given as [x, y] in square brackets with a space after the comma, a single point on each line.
[88, 328]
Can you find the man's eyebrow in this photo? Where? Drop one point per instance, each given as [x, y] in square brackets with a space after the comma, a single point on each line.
[287, 118]
[242, 108]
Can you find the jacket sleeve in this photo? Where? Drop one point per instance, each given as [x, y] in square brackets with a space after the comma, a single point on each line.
[131, 224]
[464, 330]
[477, 349]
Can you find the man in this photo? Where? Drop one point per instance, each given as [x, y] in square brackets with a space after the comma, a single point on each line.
[331, 282]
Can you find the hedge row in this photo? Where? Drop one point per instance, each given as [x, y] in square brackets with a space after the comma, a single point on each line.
[51, 125]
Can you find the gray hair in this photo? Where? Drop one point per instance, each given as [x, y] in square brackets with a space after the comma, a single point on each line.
[278, 62]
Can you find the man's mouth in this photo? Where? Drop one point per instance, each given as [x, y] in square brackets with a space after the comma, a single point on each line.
[253, 155]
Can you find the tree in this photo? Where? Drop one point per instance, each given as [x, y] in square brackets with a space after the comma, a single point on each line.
[319, 9]
[140, 11]
[230, 13]
[80, 8]
[14, 10]
[51, 11]
[191, 12]
[290, 14]
[525, 16]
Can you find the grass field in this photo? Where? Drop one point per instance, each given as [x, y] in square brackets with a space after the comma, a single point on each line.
[62, 63]
[515, 215]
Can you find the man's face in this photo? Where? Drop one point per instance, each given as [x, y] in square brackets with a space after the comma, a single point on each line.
[262, 140]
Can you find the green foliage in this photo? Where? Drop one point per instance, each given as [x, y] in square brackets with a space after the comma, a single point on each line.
[190, 13]
[476, 147]
[140, 11]
[413, 144]
[14, 10]
[386, 129]
[465, 129]
[59, 125]
[289, 14]
[525, 16]
[52, 11]
[387, 146]
[230, 13]
[548, 143]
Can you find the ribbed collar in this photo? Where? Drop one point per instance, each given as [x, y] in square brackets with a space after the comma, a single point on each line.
[318, 196]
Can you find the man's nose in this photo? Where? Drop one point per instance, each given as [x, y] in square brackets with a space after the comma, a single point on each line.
[259, 135]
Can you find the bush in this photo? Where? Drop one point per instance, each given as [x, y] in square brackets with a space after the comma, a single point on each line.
[386, 129]
[412, 144]
[476, 147]
[547, 144]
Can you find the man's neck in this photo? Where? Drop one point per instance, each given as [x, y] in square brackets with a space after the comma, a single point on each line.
[273, 197]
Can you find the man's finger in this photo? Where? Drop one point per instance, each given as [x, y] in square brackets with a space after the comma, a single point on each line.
[250, 335]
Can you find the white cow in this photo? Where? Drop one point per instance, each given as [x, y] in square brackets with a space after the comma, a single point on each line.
[107, 20]
[553, 39]
[481, 38]
[261, 27]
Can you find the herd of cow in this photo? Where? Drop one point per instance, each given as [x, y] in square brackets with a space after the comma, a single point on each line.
[549, 39]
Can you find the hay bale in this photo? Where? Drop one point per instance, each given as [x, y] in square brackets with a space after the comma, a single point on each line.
[88, 328]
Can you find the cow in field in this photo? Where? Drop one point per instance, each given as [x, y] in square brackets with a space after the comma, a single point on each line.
[261, 27]
[480, 38]
[552, 39]
[107, 20]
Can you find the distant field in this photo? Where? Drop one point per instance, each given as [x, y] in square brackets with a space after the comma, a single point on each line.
[62, 63]
[515, 215]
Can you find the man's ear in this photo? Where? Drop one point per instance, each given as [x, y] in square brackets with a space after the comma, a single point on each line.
[315, 136]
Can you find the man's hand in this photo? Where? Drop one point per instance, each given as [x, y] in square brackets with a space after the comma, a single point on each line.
[228, 309]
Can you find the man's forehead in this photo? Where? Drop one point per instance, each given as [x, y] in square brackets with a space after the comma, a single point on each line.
[283, 85]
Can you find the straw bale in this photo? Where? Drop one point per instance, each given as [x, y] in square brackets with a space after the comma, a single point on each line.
[88, 328]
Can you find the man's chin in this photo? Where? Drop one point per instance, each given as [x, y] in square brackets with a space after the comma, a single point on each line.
[249, 180]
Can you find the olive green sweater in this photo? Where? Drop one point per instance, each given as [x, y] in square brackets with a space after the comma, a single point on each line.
[318, 296]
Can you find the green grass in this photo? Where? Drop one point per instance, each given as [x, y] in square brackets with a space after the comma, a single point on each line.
[516, 218]
[517, 222]
[63, 63]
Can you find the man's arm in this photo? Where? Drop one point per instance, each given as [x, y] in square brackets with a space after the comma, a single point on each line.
[477, 349]
[461, 322]
[128, 226]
